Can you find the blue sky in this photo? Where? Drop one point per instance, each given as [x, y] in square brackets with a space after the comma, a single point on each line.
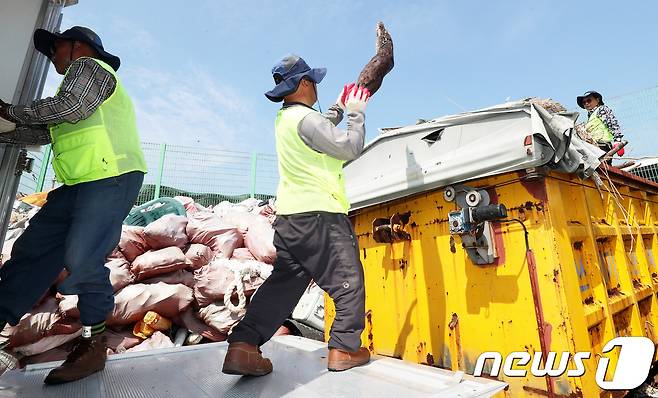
[197, 70]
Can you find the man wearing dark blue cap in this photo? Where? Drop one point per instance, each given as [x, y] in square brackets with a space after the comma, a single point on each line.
[314, 237]
[98, 159]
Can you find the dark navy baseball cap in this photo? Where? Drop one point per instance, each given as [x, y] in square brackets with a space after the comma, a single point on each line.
[45, 40]
[287, 74]
[580, 99]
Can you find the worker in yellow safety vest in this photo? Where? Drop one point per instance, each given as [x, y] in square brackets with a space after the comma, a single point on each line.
[314, 238]
[602, 125]
[99, 162]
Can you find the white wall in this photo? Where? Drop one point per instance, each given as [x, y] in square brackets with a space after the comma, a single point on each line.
[18, 19]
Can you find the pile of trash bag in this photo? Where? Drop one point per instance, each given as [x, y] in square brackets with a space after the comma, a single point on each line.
[180, 280]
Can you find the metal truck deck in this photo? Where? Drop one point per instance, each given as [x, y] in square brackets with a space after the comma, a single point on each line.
[299, 371]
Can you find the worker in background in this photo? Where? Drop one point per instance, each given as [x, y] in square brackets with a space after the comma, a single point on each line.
[98, 159]
[314, 238]
[602, 125]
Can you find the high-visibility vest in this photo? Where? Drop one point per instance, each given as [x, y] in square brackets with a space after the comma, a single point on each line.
[308, 180]
[106, 144]
[597, 129]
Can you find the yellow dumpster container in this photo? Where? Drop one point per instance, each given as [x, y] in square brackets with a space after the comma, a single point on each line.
[594, 276]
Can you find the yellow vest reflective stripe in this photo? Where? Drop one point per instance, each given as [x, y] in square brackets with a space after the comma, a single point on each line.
[308, 180]
[104, 145]
[597, 129]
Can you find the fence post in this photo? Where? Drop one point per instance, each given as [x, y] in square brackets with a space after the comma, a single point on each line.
[254, 163]
[158, 182]
[44, 168]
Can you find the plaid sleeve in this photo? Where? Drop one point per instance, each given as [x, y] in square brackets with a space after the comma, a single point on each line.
[85, 87]
[27, 135]
[605, 113]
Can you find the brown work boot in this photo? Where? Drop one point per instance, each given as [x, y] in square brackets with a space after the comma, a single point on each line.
[88, 357]
[340, 360]
[246, 360]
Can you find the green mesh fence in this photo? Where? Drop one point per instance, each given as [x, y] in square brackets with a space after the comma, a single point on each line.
[207, 175]
[638, 116]
[637, 113]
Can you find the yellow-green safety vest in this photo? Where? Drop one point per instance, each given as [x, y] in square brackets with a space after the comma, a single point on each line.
[597, 129]
[308, 180]
[106, 144]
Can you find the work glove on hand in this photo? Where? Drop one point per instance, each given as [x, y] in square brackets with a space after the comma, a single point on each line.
[621, 152]
[6, 122]
[340, 101]
[357, 99]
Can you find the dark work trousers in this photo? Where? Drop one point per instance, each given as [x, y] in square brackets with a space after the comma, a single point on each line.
[319, 246]
[76, 229]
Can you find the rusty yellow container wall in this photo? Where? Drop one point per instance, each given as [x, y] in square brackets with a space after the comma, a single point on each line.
[426, 301]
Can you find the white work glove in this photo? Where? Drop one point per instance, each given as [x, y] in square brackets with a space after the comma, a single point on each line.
[340, 101]
[6, 126]
[357, 100]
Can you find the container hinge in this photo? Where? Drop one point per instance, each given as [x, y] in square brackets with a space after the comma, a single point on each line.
[24, 163]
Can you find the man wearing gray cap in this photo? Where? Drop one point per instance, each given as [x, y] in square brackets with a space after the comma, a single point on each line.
[98, 159]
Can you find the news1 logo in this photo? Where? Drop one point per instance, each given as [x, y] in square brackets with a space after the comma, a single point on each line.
[635, 358]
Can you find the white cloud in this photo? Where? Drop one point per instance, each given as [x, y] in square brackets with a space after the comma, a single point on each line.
[129, 37]
[196, 110]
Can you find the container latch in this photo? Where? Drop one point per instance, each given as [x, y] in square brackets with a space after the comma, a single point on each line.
[472, 222]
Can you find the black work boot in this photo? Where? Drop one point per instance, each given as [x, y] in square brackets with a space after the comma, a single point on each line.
[87, 358]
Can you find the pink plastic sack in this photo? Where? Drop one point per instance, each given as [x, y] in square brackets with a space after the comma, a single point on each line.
[159, 262]
[190, 322]
[240, 219]
[157, 340]
[181, 276]
[116, 254]
[260, 241]
[120, 275]
[219, 317]
[199, 255]
[47, 343]
[121, 341]
[133, 301]
[132, 242]
[211, 281]
[168, 230]
[68, 306]
[211, 230]
[243, 254]
[214, 279]
[188, 203]
[34, 325]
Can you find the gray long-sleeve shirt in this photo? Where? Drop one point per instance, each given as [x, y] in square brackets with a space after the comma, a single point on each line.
[320, 133]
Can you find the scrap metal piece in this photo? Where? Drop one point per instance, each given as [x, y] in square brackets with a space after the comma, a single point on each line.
[387, 230]
[381, 230]
[398, 222]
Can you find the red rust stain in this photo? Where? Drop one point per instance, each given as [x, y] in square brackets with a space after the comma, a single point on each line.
[430, 359]
[536, 188]
[548, 337]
